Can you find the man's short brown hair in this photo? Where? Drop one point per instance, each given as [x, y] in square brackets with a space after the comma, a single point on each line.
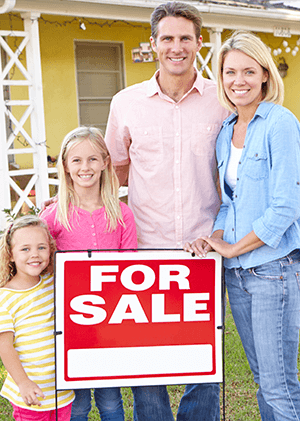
[176, 9]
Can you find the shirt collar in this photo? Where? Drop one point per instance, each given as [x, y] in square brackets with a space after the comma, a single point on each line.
[154, 88]
[262, 111]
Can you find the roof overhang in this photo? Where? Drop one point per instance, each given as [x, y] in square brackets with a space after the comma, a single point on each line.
[214, 15]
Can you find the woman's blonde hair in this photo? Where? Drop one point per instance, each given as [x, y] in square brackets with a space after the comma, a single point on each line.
[7, 267]
[250, 44]
[109, 184]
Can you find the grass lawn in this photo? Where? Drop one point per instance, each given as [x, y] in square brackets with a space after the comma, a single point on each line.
[240, 389]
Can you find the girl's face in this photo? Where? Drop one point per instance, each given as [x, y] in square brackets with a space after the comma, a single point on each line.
[30, 251]
[85, 164]
[242, 79]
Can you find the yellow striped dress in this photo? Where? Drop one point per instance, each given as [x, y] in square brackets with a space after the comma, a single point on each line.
[30, 315]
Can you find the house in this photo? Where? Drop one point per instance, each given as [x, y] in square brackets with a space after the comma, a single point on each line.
[62, 61]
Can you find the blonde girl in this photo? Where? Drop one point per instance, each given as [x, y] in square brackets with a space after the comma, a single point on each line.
[89, 215]
[27, 322]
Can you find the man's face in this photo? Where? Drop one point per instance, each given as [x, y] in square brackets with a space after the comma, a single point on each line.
[176, 46]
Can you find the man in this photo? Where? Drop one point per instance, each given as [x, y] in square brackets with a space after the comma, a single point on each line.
[162, 133]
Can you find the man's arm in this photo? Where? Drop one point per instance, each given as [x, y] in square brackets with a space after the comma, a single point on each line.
[122, 172]
[118, 139]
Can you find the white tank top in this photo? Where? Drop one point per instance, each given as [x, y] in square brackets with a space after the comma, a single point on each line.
[231, 172]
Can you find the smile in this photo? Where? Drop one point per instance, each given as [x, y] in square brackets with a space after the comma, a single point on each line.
[86, 177]
[240, 92]
[176, 60]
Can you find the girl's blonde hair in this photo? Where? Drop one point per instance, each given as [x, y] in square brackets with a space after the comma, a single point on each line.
[109, 184]
[250, 44]
[7, 267]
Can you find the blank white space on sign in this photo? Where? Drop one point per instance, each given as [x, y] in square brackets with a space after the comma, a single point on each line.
[89, 363]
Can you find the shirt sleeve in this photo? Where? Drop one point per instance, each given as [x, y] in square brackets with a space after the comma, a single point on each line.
[129, 237]
[48, 215]
[284, 190]
[222, 214]
[6, 321]
[117, 135]
[221, 218]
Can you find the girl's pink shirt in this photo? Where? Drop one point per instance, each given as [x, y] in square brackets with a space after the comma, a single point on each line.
[89, 230]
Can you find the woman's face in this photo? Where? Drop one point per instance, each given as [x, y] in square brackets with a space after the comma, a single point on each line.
[242, 80]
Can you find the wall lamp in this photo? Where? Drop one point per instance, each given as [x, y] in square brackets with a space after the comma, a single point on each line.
[282, 68]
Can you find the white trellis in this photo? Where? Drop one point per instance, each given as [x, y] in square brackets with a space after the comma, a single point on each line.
[18, 125]
[212, 48]
[205, 61]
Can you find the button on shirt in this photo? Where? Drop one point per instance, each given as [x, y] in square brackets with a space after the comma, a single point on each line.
[171, 150]
[267, 193]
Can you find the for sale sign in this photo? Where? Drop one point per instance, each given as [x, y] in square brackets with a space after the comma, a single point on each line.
[137, 318]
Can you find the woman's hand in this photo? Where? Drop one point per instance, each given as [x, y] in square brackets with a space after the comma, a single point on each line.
[220, 246]
[200, 247]
[248, 243]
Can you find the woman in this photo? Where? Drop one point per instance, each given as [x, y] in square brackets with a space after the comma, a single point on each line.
[257, 228]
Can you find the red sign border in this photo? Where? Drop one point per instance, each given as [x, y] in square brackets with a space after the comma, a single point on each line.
[142, 255]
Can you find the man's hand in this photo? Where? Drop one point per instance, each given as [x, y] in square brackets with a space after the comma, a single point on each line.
[48, 202]
[122, 172]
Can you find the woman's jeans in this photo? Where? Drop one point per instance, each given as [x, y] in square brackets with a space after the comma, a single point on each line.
[108, 400]
[265, 303]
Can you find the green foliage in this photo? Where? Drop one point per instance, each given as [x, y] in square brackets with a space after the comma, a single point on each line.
[12, 216]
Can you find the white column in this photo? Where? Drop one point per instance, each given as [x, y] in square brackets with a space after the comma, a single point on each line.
[215, 38]
[38, 132]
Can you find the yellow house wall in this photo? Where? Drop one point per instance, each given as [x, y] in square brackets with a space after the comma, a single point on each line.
[292, 80]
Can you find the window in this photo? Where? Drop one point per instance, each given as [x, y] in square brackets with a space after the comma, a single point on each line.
[99, 76]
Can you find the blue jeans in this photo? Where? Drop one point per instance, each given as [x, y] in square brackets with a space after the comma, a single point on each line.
[265, 303]
[108, 400]
[200, 402]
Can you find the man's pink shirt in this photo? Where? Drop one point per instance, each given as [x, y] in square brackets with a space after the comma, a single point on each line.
[171, 150]
[89, 230]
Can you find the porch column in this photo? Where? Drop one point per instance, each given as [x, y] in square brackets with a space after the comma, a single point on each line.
[215, 39]
[38, 132]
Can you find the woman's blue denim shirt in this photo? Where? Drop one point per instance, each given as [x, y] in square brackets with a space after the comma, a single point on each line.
[267, 195]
